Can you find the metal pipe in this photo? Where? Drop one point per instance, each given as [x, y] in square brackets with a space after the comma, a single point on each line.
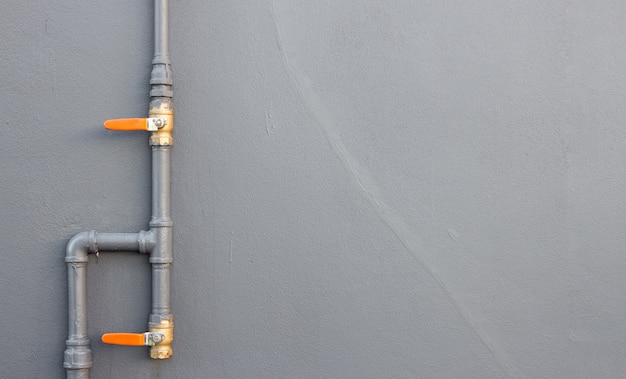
[157, 241]
[161, 32]
[161, 75]
[161, 186]
[161, 319]
[161, 106]
[77, 354]
[78, 359]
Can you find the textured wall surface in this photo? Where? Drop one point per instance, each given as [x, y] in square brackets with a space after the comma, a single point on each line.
[362, 189]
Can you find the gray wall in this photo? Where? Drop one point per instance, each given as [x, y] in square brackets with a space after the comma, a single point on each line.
[362, 189]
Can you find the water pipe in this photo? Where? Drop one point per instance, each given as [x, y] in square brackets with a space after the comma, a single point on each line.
[157, 241]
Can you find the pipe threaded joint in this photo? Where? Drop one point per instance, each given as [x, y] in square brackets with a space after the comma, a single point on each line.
[77, 355]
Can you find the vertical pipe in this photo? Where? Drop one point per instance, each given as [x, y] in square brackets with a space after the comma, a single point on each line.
[78, 359]
[77, 356]
[161, 75]
[161, 257]
[161, 318]
[161, 185]
[77, 301]
[161, 31]
[161, 225]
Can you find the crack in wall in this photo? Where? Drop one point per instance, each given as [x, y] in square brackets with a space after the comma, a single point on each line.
[367, 187]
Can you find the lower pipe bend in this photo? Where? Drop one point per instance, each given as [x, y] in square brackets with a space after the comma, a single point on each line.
[78, 357]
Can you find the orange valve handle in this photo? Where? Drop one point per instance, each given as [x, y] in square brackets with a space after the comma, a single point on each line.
[127, 339]
[133, 339]
[127, 124]
[151, 124]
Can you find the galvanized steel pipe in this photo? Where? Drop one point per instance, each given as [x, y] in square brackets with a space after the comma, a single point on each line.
[157, 241]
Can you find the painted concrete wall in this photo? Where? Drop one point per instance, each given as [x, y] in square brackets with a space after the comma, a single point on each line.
[362, 189]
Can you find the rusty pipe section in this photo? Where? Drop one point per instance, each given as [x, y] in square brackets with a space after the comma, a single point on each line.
[157, 241]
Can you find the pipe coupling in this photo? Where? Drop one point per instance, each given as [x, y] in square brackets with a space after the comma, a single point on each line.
[161, 78]
[77, 355]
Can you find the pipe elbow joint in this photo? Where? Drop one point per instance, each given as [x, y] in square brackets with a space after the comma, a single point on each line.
[79, 247]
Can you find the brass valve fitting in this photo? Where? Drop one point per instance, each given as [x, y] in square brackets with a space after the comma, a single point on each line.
[163, 349]
[162, 107]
